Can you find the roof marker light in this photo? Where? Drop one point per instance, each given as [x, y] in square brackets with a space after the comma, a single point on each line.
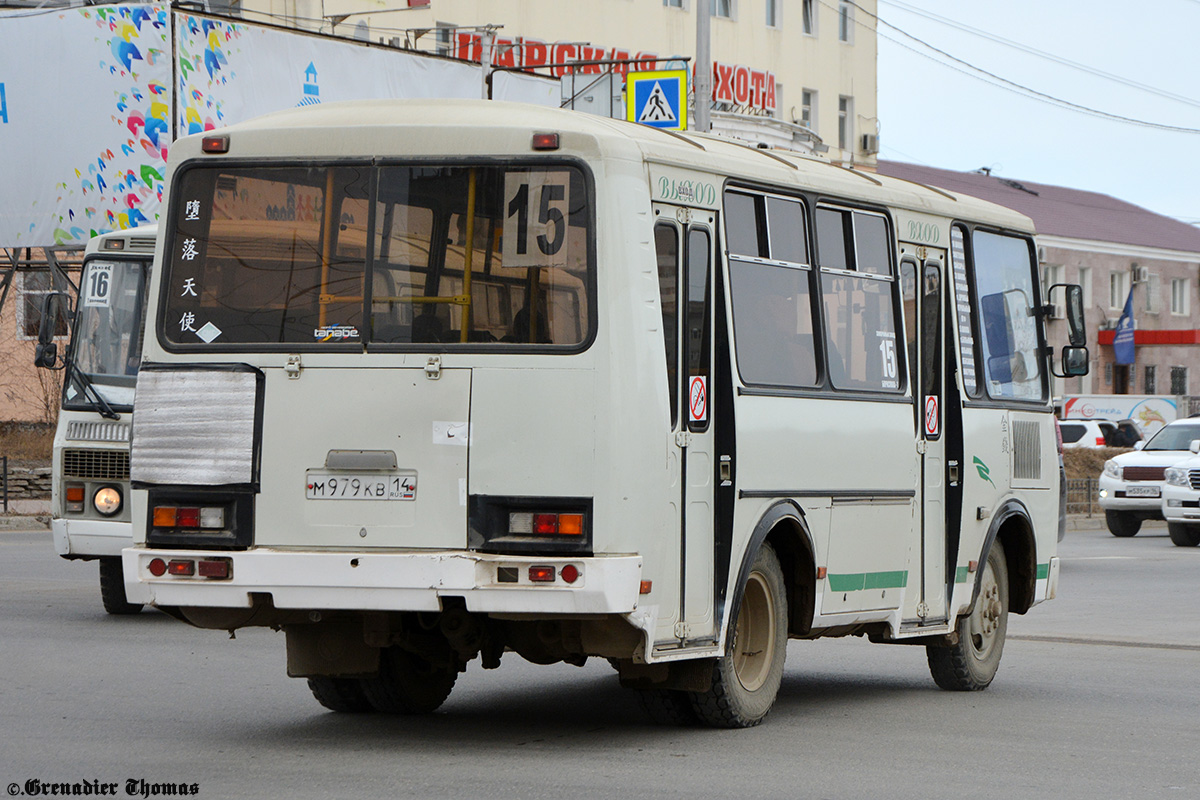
[215, 144]
[545, 141]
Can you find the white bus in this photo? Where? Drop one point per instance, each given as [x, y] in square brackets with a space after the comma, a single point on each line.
[432, 381]
[90, 497]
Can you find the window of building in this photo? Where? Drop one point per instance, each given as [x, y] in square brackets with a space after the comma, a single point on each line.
[1118, 290]
[673, 3]
[808, 109]
[1151, 384]
[846, 22]
[810, 18]
[845, 122]
[1108, 374]
[445, 38]
[1153, 294]
[32, 288]
[1180, 297]
[772, 13]
[724, 8]
[1052, 274]
[1179, 380]
[1085, 283]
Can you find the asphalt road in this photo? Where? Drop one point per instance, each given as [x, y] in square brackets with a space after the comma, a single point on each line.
[1096, 698]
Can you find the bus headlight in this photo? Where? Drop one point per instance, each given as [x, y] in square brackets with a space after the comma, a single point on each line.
[1112, 469]
[107, 500]
[1177, 476]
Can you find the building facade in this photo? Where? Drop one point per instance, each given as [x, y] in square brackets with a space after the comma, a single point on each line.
[804, 63]
[1119, 253]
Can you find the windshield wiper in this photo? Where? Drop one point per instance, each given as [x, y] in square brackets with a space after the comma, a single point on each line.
[102, 406]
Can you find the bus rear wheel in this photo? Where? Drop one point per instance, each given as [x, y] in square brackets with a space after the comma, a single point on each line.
[746, 679]
[970, 665]
[408, 684]
[1183, 535]
[1122, 523]
[340, 694]
[112, 588]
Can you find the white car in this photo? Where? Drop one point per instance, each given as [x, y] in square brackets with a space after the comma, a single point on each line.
[1086, 432]
[1181, 500]
[1131, 485]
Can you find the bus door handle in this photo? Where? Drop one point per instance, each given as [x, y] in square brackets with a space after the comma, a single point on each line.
[725, 470]
[952, 470]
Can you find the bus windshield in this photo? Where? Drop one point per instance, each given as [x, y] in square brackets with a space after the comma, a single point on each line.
[107, 340]
[357, 255]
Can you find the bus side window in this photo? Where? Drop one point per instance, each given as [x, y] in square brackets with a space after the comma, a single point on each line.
[666, 250]
[1009, 335]
[772, 303]
[857, 288]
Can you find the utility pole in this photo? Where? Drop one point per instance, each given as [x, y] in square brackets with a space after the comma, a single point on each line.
[703, 68]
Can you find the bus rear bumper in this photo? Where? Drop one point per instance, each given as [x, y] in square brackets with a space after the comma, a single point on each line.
[372, 581]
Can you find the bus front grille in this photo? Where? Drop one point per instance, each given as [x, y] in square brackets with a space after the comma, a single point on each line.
[103, 465]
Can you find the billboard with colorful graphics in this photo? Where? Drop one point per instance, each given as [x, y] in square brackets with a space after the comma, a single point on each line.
[85, 128]
[85, 134]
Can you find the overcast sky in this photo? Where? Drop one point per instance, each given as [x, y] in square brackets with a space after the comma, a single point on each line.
[939, 113]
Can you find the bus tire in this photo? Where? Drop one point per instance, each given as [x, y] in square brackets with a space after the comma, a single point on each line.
[970, 665]
[667, 706]
[1122, 523]
[746, 679]
[112, 588]
[345, 695]
[1184, 535]
[408, 684]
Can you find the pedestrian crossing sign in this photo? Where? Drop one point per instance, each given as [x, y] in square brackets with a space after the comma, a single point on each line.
[658, 99]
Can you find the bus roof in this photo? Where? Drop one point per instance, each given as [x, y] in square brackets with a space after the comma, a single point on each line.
[372, 128]
[140, 240]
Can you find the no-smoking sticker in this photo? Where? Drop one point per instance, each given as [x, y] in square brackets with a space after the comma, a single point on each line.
[698, 398]
[931, 415]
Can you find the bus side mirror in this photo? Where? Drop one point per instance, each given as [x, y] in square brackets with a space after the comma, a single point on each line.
[1074, 362]
[1194, 446]
[56, 313]
[46, 355]
[1076, 332]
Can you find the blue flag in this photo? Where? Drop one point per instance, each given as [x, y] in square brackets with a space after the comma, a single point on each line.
[1123, 340]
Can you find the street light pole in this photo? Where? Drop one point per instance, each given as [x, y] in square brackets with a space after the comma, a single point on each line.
[703, 68]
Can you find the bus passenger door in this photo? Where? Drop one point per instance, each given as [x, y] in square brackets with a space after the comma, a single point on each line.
[688, 308]
[924, 302]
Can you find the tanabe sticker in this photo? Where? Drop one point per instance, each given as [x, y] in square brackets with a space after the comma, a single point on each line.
[335, 333]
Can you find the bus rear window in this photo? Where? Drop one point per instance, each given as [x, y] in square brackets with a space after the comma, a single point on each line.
[358, 255]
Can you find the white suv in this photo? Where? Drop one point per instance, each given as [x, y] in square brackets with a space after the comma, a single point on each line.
[1181, 500]
[1131, 485]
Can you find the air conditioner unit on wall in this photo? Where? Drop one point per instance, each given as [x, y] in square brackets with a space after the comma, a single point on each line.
[1141, 274]
[870, 143]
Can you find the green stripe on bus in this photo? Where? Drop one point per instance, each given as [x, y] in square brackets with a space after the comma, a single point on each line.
[960, 575]
[1043, 570]
[858, 581]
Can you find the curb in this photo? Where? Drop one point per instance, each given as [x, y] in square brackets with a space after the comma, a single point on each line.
[24, 523]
